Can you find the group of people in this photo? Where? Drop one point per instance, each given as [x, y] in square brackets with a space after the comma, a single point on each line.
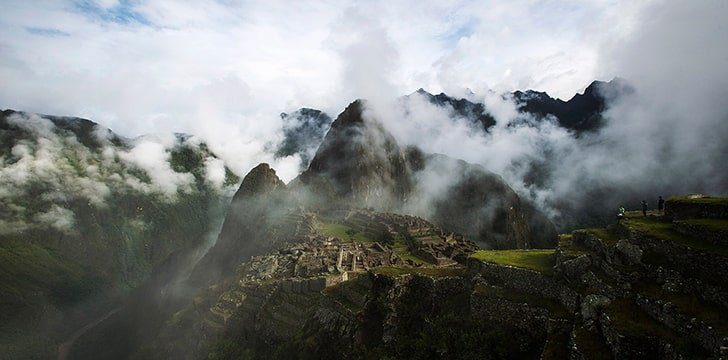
[660, 208]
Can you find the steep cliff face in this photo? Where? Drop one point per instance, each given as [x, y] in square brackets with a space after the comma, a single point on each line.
[242, 233]
[360, 161]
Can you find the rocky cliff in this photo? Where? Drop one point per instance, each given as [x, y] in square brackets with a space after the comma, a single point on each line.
[244, 231]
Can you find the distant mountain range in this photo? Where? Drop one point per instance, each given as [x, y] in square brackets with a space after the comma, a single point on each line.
[305, 128]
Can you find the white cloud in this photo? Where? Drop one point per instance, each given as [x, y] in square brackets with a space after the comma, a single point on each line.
[224, 70]
[57, 217]
[150, 154]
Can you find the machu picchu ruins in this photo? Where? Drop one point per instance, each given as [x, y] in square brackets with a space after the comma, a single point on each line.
[353, 280]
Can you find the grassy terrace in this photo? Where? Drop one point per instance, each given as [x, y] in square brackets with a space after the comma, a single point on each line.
[592, 343]
[607, 236]
[538, 260]
[571, 248]
[429, 271]
[344, 232]
[704, 200]
[663, 230]
[339, 291]
[709, 224]
[631, 320]
[712, 314]
[554, 307]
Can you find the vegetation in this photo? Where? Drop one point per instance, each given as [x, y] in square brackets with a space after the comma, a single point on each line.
[631, 320]
[344, 232]
[693, 306]
[341, 292]
[609, 237]
[428, 271]
[709, 224]
[699, 200]
[401, 248]
[538, 260]
[571, 248]
[554, 307]
[664, 230]
[591, 343]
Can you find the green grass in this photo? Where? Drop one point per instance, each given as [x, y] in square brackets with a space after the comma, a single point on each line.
[539, 260]
[401, 248]
[554, 307]
[709, 224]
[571, 248]
[705, 200]
[592, 344]
[344, 232]
[339, 292]
[429, 271]
[28, 271]
[607, 236]
[693, 306]
[663, 230]
[630, 319]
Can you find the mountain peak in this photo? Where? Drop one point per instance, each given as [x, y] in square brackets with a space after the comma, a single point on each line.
[261, 180]
[360, 159]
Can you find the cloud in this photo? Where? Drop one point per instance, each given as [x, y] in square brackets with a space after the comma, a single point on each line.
[225, 70]
[150, 154]
[57, 217]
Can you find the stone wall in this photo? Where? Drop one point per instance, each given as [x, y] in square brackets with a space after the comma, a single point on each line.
[666, 313]
[626, 346]
[533, 320]
[682, 209]
[717, 237]
[528, 281]
[674, 281]
[683, 258]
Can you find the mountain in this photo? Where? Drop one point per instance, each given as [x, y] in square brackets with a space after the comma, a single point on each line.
[305, 128]
[361, 163]
[244, 231]
[580, 113]
[463, 108]
[86, 216]
[303, 131]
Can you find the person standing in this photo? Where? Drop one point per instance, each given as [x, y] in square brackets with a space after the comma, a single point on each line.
[620, 214]
[644, 208]
[661, 205]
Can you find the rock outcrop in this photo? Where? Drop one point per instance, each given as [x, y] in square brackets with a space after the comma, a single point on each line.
[252, 210]
[360, 162]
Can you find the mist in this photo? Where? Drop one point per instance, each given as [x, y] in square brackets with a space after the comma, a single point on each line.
[665, 136]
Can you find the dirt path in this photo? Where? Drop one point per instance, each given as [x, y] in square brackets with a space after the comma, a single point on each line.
[65, 348]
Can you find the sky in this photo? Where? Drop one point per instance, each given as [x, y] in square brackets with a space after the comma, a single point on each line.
[225, 69]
